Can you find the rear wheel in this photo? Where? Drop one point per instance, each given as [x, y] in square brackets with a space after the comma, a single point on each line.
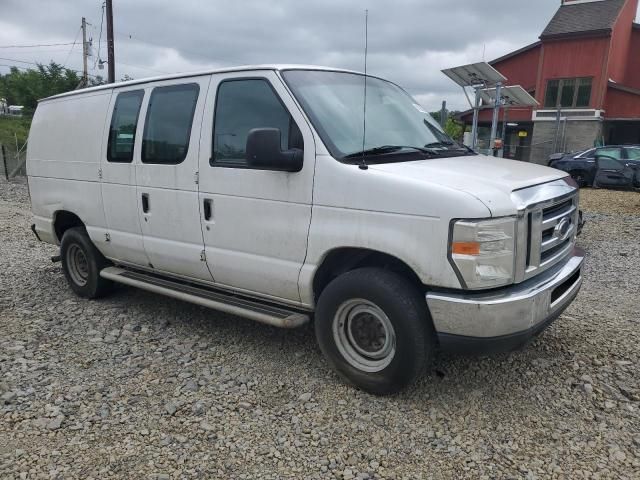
[82, 263]
[373, 327]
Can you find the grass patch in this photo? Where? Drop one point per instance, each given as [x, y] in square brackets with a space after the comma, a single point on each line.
[14, 125]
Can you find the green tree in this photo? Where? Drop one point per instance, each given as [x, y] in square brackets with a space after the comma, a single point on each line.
[454, 129]
[26, 87]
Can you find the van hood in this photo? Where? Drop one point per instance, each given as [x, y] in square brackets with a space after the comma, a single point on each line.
[490, 179]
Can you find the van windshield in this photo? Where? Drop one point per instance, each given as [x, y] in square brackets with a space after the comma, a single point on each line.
[397, 127]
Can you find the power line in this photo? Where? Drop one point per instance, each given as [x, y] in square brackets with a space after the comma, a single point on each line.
[37, 64]
[72, 47]
[34, 52]
[99, 37]
[39, 45]
[13, 66]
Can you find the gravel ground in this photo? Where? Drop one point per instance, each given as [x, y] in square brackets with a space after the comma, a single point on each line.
[142, 386]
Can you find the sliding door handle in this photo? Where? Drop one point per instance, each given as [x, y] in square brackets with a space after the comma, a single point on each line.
[207, 209]
[145, 202]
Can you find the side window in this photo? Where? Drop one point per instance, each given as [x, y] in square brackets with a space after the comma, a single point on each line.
[167, 128]
[609, 164]
[633, 153]
[611, 152]
[588, 154]
[122, 133]
[242, 105]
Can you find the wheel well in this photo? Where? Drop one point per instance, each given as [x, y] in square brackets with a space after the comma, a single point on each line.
[342, 260]
[65, 220]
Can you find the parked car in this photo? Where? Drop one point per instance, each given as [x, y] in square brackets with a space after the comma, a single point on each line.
[252, 191]
[620, 165]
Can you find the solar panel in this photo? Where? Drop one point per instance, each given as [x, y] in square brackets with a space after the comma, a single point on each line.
[474, 74]
[514, 96]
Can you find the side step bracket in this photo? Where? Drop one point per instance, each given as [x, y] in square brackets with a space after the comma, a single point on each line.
[268, 313]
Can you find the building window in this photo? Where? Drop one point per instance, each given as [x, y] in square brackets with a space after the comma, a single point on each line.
[568, 93]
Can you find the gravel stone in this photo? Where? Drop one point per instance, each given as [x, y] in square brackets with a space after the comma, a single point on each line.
[170, 408]
[143, 386]
[305, 397]
[9, 397]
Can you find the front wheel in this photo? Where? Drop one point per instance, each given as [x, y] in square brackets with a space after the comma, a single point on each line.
[374, 329]
[82, 263]
[580, 178]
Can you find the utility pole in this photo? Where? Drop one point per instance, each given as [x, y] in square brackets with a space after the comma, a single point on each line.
[85, 54]
[111, 63]
[443, 114]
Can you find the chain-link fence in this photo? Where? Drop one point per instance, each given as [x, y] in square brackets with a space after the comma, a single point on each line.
[537, 153]
[13, 160]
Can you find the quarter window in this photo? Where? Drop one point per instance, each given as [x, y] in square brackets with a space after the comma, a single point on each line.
[568, 93]
[122, 133]
[167, 128]
[633, 153]
[242, 105]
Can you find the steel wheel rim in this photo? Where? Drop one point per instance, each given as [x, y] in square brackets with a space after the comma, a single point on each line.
[364, 335]
[77, 265]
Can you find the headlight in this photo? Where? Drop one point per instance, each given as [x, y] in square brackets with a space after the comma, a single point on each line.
[483, 252]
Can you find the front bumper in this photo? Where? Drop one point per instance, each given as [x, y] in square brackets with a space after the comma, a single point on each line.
[508, 318]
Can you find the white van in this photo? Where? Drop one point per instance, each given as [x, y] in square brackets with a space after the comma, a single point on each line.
[255, 191]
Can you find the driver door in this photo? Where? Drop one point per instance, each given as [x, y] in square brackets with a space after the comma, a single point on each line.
[255, 222]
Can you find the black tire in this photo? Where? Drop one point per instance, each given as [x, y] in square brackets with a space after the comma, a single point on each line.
[82, 263]
[404, 307]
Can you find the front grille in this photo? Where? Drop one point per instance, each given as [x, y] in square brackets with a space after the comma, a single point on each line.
[548, 224]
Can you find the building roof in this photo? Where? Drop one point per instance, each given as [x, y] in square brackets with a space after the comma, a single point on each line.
[515, 52]
[581, 18]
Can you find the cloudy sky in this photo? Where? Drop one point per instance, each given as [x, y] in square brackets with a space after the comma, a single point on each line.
[410, 41]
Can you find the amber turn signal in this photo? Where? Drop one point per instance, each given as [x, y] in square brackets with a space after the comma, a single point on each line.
[465, 248]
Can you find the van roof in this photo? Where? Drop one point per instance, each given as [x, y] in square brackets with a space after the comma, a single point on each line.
[243, 68]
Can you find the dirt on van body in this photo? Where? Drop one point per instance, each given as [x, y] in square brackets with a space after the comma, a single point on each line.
[141, 386]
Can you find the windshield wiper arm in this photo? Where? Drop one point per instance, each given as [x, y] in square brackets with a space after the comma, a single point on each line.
[450, 146]
[440, 144]
[384, 149]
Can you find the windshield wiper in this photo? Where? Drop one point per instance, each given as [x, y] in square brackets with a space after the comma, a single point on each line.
[384, 149]
[449, 145]
[440, 144]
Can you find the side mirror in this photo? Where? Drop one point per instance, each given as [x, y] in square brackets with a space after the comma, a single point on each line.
[263, 152]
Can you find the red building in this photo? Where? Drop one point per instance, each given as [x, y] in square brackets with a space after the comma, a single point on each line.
[585, 74]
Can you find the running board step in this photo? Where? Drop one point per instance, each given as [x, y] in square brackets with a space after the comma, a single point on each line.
[268, 313]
